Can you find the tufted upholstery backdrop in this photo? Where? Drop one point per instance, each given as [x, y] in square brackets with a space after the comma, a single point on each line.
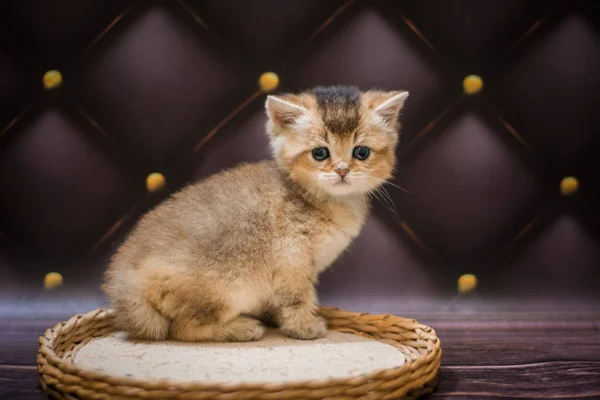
[171, 87]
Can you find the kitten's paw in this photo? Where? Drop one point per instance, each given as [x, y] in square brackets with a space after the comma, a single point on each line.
[314, 329]
[244, 330]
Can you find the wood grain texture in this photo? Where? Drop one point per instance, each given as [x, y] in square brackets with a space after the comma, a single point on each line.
[539, 357]
[552, 380]
[510, 345]
[19, 340]
[20, 383]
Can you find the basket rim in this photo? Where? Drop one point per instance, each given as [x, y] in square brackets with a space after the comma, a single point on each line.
[55, 369]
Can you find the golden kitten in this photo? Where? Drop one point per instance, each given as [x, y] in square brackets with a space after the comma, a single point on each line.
[247, 244]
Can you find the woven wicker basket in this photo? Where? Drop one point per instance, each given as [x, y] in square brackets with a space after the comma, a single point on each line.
[63, 379]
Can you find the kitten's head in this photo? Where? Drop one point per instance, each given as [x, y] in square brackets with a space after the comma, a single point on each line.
[335, 139]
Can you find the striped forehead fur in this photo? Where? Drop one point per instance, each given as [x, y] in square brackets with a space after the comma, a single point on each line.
[339, 108]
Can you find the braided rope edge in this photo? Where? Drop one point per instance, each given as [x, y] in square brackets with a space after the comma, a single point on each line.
[61, 378]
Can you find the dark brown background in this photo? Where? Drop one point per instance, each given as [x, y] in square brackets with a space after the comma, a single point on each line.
[171, 86]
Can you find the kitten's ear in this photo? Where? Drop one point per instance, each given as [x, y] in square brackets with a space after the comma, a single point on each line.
[282, 112]
[391, 104]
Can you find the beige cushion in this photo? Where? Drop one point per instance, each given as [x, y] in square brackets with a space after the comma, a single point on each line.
[274, 358]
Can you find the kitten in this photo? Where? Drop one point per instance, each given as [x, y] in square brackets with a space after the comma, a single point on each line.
[249, 243]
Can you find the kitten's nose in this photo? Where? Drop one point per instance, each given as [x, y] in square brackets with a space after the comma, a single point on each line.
[342, 172]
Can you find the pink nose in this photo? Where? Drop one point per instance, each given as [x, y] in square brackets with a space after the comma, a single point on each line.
[342, 172]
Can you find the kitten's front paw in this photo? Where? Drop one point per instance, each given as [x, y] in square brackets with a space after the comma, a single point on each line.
[314, 329]
[245, 330]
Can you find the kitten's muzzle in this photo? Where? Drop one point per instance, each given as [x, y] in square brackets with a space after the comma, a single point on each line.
[342, 172]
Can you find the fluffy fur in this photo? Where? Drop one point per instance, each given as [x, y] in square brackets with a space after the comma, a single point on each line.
[247, 244]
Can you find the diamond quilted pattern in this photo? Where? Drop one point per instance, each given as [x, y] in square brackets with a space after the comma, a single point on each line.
[394, 268]
[12, 87]
[242, 140]
[590, 176]
[160, 84]
[364, 48]
[11, 283]
[264, 31]
[474, 29]
[173, 85]
[54, 177]
[566, 255]
[543, 98]
[469, 190]
[59, 28]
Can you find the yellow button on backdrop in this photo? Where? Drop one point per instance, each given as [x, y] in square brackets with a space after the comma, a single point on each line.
[472, 84]
[52, 280]
[467, 283]
[268, 81]
[569, 185]
[155, 182]
[52, 79]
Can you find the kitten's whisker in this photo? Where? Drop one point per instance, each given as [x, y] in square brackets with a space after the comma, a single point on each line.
[384, 191]
[401, 168]
[363, 196]
[388, 201]
[383, 202]
[394, 185]
[313, 186]
[373, 194]
[384, 182]
[386, 198]
[387, 195]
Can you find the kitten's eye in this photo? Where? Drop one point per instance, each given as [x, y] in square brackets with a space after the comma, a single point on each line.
[361, 152]
[320, 153]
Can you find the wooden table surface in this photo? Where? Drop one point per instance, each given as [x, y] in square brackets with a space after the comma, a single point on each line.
[486, 354]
